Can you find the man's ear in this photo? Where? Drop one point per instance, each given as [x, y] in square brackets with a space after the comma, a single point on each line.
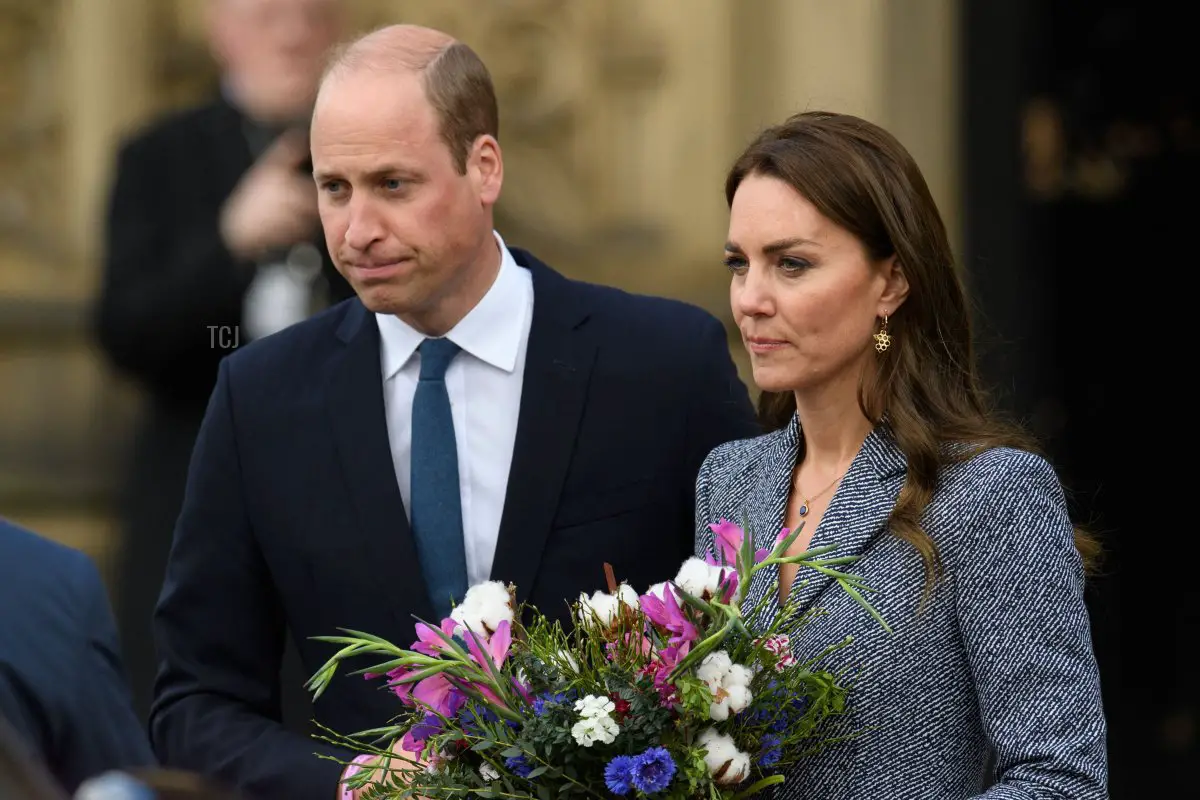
[485, 166]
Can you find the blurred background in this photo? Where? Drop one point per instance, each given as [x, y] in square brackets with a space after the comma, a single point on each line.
[1059, 137]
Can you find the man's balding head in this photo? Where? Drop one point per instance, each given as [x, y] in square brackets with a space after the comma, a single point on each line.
[456, 81]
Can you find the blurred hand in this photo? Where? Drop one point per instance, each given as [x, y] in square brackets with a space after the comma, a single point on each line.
[387, 768]
[274, 204]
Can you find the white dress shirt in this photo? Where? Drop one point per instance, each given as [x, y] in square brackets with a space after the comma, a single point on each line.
[484, 384]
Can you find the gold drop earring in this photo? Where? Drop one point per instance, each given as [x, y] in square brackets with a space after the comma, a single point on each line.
[882, 340]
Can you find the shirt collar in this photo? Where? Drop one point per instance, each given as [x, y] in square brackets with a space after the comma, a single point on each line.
[491, 331]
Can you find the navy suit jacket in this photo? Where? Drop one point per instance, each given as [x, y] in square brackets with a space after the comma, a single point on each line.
[292, 517]
[62, 687]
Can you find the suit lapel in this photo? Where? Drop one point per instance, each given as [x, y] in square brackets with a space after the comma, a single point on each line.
[558, 363]
[857, 512]
[388, 561]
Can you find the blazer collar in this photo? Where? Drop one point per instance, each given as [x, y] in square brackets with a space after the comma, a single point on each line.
[857, 513]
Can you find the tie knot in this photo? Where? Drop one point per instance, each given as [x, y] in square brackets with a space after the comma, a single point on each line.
[436, 355]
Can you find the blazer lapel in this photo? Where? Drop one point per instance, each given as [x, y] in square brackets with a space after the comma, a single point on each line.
[389, 562]
[856, 514]
[558, 363]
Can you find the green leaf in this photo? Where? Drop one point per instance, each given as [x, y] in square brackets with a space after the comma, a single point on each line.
[511, 752]
[536, 772]
[482, 744]
[758, 786]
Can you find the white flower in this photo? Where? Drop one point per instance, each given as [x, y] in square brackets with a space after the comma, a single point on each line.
[596, 725]
[590, 730]
[566, 656]
[728, 682]
[485, 606]
[726, 764]
[594, 706]
[694, 577]
[488, 772]
[659, 590]
[606, 606]
[603, 606]
[701, 579]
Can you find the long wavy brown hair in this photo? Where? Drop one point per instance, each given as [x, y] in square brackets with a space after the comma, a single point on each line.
[925, 387]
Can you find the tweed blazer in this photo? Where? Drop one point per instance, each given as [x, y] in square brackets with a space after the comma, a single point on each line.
[992, 691]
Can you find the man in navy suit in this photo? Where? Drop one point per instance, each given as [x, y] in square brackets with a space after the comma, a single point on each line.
[471, 415]
[62, 687]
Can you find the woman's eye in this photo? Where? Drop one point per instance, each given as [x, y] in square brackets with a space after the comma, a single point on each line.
[735, 263]
[793, 265]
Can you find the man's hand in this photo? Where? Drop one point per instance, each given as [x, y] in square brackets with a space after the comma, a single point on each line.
[274, 205]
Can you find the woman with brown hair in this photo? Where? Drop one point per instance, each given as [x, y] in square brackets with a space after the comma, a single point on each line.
[856, 321]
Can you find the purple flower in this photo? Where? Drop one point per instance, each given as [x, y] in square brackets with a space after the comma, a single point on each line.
[472, 716]
[414, 740]
[770, 750]
[669, 615]
[541, 702]
[618, 775]
[728, 537]
[653, 770]
[519, 766]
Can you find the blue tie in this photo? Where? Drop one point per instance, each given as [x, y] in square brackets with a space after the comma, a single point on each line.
[436, 504]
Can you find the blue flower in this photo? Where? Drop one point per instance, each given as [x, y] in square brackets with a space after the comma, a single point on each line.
[430, 726]
[519, 766]
[618, 775]
[769, 751]
[799, 706]
[547, 699]
[653, 770]
[472, 717]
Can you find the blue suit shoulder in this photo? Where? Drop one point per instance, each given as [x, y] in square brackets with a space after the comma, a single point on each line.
[290, 354]
[59, 569]
[62, 685]
[667, 319]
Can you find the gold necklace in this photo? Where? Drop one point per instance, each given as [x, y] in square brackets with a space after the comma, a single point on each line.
[806, 505]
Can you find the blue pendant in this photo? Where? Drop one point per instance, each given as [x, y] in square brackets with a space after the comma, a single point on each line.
[803, 510]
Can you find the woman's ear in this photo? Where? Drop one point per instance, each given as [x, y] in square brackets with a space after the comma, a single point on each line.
[895, 290]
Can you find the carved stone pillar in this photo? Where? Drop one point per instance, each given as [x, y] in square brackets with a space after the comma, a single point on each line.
[107, 81]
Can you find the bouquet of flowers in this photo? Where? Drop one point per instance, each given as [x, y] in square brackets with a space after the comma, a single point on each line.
[676, 693]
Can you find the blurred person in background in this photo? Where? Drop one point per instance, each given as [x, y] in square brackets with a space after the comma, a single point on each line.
[64, 699]
[153, 784]
[212, 240]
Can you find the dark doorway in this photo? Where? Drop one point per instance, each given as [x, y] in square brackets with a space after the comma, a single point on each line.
[1082, 156]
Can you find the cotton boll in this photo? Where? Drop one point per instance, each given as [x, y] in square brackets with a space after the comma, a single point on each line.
[694, 577]
[713, 668]
[726, 764]
[488, 772]
[739, 675]
[627, 595]
[604, 606]
[659, 590]
[738, 698]
[483, 608]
